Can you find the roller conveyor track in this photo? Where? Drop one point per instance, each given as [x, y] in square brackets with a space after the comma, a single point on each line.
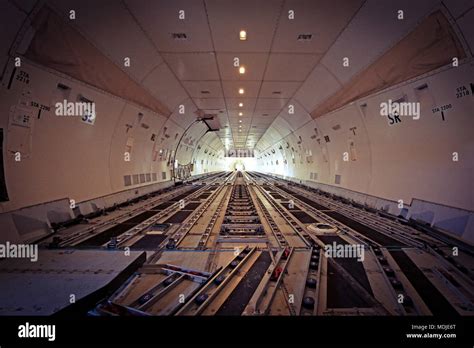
[386, 232]
[375, 234]
[249, 209]
[369, 232]
[435, 301]
[241, 218]
[97, 234]
[104, 237]
[208, 293]
[309, 303]
[259, 303]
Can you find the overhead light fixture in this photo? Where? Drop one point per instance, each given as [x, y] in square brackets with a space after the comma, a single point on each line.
[241, 113]
[241, 104]
[241, 91]
[242, 70]
[240, 121]
[243, 35]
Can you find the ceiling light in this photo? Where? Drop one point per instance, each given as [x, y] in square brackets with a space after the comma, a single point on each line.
[241, 113]
[243, 35]
[241, 91]
[242, 70]
[240, 121]
[241, 104]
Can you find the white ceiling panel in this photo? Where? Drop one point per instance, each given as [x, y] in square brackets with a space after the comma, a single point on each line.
[189, 115]
[11, 15]
[274, 89]
[257, 17]
[281, 126]
[373, 30]
[231, 88]
[235, 114]
[323, 19]
[254, 64]
[203, 89]
[165, 87]
[459, 7]
[106, 26]
[265, 114]
[26, 5]
[210, 103]
[298, 118]
[466, 23]
[193, 66]
[248, 104]
[270, 103]
[290, 67]
[272, 135]
[224, 120]
[160, 20]
[317, 87]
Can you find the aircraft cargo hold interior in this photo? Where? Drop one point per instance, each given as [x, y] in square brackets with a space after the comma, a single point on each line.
[251, 158]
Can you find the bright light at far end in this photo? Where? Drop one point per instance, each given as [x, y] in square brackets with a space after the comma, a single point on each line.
[243, 35]
[241, 91]
[240, 113]
[241, 104]
[242, 70]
